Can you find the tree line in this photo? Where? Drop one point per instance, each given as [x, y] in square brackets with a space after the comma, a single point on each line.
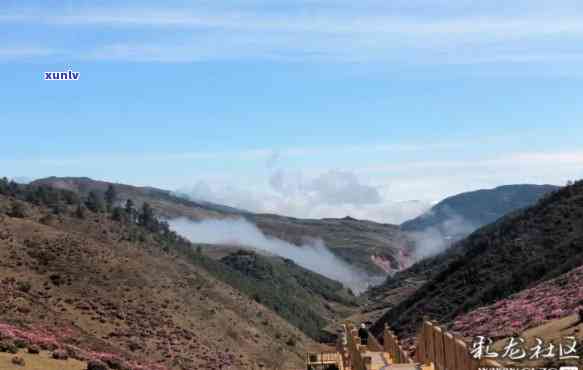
[60, 201]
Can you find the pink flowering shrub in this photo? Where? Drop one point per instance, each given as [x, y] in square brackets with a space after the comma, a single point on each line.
[550, 300]
[34, 336]
[43, 338]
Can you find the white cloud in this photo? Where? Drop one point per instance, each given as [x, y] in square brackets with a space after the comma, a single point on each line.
[530, 159]
[312, 254]
[570, 158]
[270, 155]
[392, 193]
[268, 180]
[330, 22]
[353, 39]
[342, 187]
[343, 33]
[24, 52]
[328, 194]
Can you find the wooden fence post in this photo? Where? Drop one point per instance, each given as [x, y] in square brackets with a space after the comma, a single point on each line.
[434, 345]
[449, 351]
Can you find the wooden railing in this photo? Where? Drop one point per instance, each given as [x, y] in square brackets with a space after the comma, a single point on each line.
[393, 347]
[436, 349]
[354, 344]
[446, 351]
[324, 359]
[373, 344]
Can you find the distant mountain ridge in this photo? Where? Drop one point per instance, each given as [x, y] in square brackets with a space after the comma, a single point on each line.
[367, 245]
[459, 215]
[516, 252]
[167, 203]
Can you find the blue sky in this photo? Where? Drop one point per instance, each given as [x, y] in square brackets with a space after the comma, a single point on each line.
[295, 107]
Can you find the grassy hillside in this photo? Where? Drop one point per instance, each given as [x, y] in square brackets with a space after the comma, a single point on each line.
[39, 361]
[85, 283]
[514, 253]
[373, 247]
[307, 300]
[370, 246]
[164, 202]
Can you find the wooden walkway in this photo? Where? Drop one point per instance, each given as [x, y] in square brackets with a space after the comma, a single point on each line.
[378, 360]
[324, 360]
[436, 349]
[373, 355]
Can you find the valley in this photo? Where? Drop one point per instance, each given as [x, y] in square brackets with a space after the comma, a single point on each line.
[110, 283]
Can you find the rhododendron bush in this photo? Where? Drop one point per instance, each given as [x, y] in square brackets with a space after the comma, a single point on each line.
[45, 339]
[551, 300]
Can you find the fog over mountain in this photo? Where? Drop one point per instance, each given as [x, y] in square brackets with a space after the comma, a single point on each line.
[459, 215]
[330, 194]
[313, 254]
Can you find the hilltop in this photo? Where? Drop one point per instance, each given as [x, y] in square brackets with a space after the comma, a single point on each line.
[166, 203]
[459, 215]
[516, 252]
[378, 249]
[453, 218]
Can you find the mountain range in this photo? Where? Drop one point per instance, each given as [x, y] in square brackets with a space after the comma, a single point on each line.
[519, 251]
[459, 215]
[121, 286]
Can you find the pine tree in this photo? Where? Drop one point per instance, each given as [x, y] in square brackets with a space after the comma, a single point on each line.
[130, 211]
[17, 210]
[94, 202]
[147, 218]
[4, 185]
[80, 211]
[110, 197]
[118, 214]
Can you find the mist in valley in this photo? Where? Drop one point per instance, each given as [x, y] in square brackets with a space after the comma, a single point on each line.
[434, 240]
[312, 255]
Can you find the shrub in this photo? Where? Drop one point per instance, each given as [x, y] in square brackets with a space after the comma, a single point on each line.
[60, 355]
[96, 365]
[118, 214]
[47, 220]
[116, 364]
[23, 286]
[18, 210]
[8, 346]
[80, 211]
[94, 202]
[20, 343]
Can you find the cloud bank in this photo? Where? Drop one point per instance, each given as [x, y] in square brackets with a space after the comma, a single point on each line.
[313, 255]
[329, 194]
[434, 240]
